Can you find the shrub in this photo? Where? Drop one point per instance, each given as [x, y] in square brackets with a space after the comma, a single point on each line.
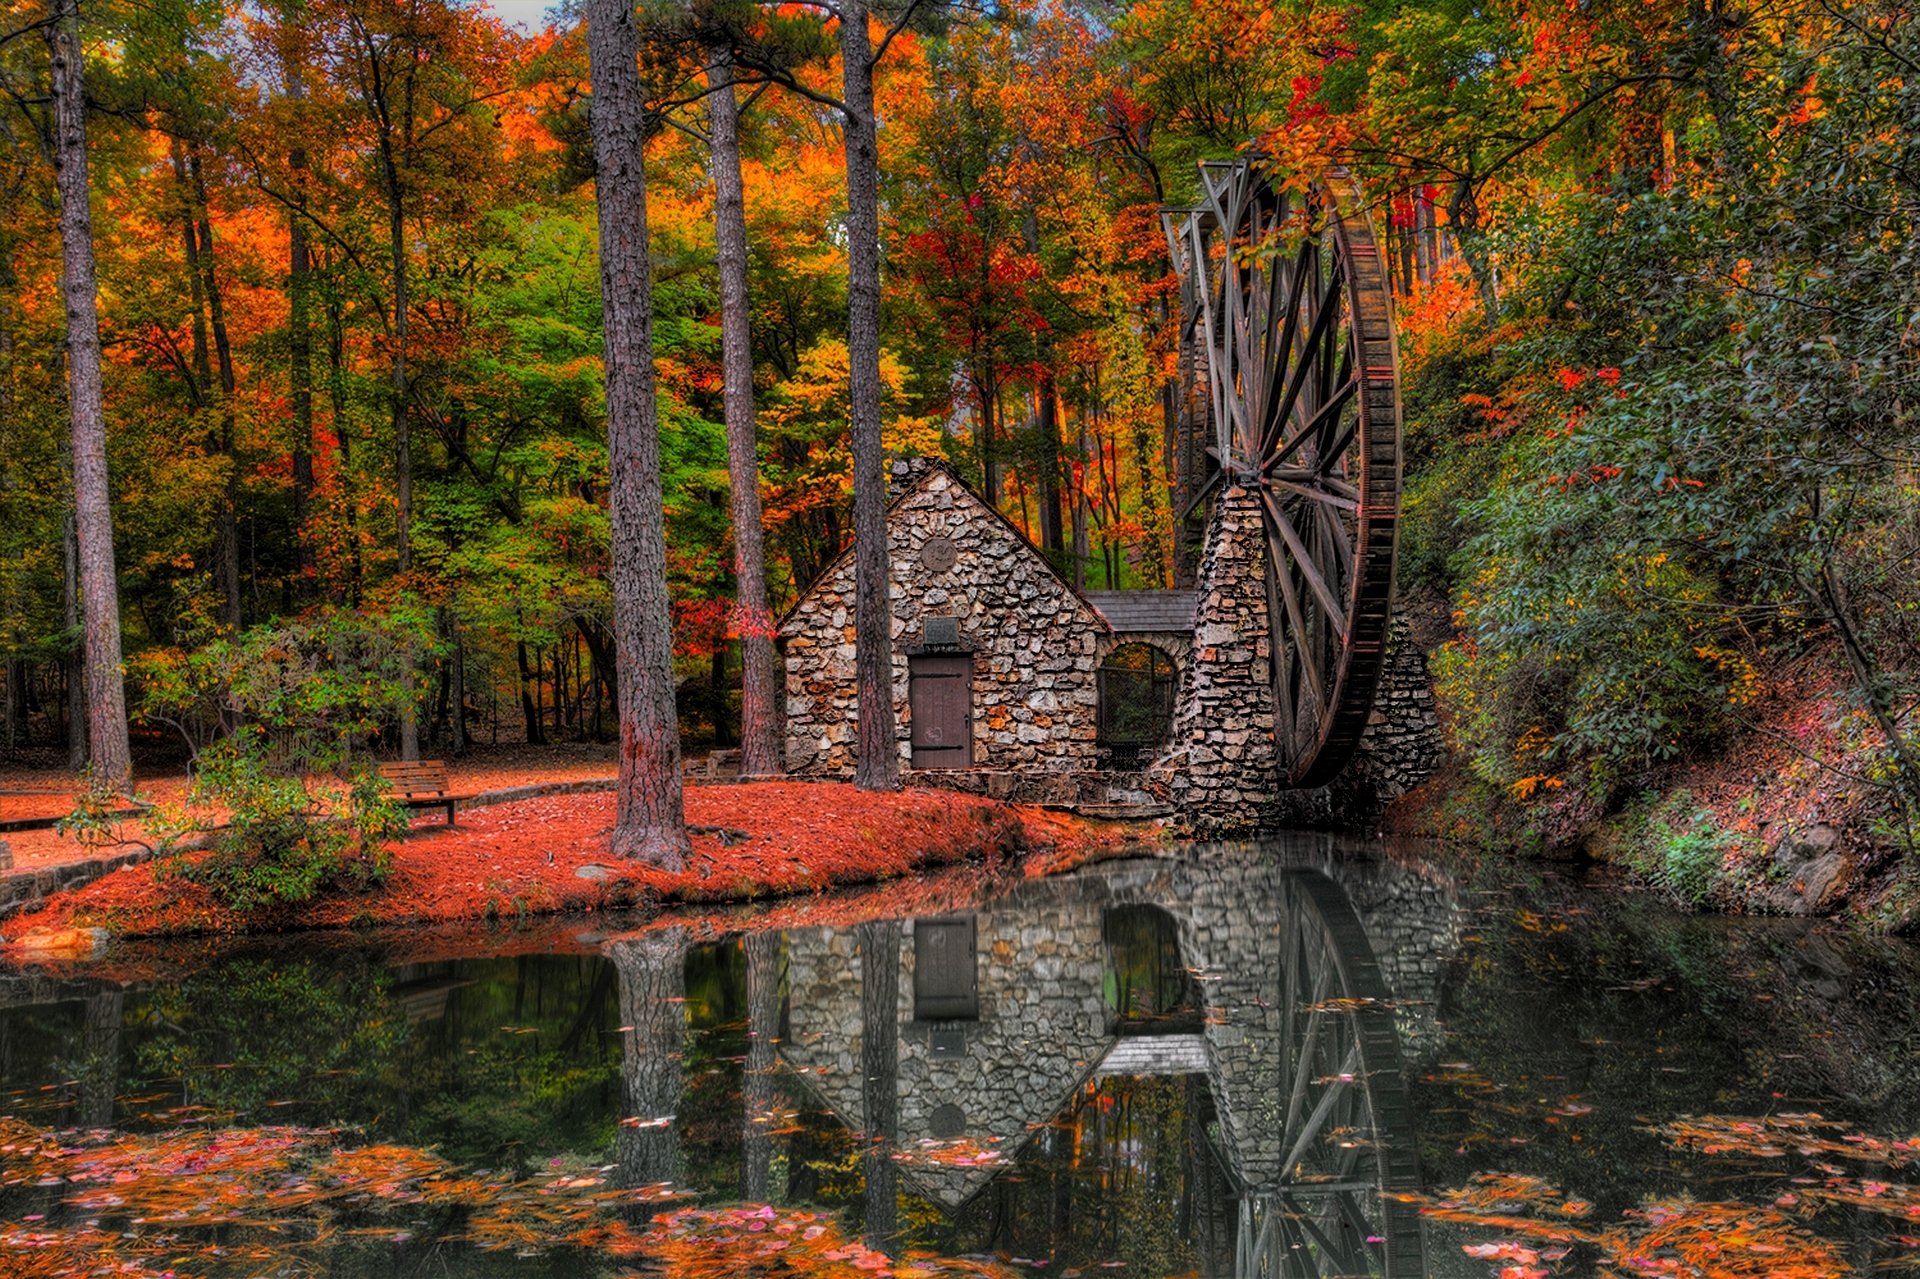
[284, 842]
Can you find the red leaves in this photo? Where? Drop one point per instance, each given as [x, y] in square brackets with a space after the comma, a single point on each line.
[524, 858]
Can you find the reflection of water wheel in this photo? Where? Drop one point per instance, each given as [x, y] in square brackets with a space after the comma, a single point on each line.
[1347, 1161]
[1303, 394]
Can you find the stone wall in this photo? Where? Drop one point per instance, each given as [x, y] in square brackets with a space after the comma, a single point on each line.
[1219, 765]
[1220, 769]
[1032, 639]
[1402, 744]
[1043, 1028]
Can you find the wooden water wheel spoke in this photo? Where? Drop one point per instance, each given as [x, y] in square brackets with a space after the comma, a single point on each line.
[1337, 536]
[1310, 431]
[1308, 673]
[1304, 564]
[1306, 369]
[1304, 487]
[1283, 350]
[1292, 298]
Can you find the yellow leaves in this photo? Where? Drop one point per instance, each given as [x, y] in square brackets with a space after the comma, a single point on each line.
[1527, 786]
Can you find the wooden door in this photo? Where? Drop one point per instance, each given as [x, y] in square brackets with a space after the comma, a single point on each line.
[945, 959]
[940, 700]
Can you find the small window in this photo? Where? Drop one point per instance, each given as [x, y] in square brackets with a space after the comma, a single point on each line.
[1137, 687]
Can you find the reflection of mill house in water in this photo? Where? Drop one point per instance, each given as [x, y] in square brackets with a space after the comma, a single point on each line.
[1008, 681]
[1264, 983]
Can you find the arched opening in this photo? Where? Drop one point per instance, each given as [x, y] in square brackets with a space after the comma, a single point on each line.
[1137, 686]
[1148, 988]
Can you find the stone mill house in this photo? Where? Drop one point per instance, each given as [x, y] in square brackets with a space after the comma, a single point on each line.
[1009, 682]
[1006, 680]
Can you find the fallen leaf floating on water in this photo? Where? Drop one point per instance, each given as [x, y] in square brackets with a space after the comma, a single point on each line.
[191, 1202]
[1674, 1238]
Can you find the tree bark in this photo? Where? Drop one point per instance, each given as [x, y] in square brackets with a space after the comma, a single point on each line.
[1052, 527]
[760, 675]
[879, 945]
[653, 1014]
[757, 1091]
[93, 514]
[226, 555]
[300, 363]
[650, 822]
[877, 757]
[74, 665]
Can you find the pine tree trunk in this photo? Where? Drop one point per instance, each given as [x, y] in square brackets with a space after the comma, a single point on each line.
[760, 675]
[226, 557]
[99, 582]
[300, 363]
[758, 1073]
[653, 1017]
[877, 759]
[73, 666]
[650, 822]
[879, 945]
[1052, 527]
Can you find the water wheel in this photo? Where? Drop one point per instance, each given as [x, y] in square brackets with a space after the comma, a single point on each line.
[1292, 319]
[1348, 1166]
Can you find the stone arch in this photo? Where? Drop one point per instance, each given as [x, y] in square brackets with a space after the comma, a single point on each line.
[1137, 687]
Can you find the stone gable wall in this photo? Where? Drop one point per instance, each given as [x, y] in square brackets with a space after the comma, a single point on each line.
[1033, 641]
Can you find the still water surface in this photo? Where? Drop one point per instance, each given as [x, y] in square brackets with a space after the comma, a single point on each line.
[1299, 1059]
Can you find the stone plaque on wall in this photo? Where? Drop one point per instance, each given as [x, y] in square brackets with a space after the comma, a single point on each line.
[939, 554]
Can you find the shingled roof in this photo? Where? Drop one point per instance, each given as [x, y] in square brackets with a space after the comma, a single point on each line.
[1136, 612]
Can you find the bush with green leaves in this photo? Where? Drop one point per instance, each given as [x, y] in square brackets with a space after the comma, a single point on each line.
[285, 839]
[1697, 444]
[315, 691]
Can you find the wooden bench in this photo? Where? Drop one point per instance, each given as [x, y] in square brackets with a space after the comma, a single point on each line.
[421, 784]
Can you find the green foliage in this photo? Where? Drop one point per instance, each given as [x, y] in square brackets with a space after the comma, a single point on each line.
[313, 692]
[1693, 448]
[91, 822]
[283, 841]
[1673, 844]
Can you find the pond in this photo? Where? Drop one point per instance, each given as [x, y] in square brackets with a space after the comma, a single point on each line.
[1307, 1058]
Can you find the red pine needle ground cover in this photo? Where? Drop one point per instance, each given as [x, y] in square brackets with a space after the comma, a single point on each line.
[524, 858]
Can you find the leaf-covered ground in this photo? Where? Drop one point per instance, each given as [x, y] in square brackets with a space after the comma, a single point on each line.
[527, 857]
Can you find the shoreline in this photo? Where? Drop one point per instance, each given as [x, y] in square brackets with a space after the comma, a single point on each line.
[545, 854]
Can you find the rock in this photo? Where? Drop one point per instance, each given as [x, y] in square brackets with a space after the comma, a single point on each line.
[69, 943]
[596, 873]
[1818, 842]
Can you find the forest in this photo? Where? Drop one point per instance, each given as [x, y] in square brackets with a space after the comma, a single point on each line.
[1655, 264]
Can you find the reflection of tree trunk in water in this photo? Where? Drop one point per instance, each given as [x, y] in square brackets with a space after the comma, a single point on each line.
[1207, 1188]
[763, 1023]
[100, 1060]
[653, 1010]
[879, 1074]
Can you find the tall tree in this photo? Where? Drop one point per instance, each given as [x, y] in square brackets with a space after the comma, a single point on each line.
[877, 759]
[760, 754]
[650, 824]
[106, 693]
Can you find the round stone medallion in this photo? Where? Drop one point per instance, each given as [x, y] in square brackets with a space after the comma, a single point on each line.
[946, 1122]
[939, 554]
